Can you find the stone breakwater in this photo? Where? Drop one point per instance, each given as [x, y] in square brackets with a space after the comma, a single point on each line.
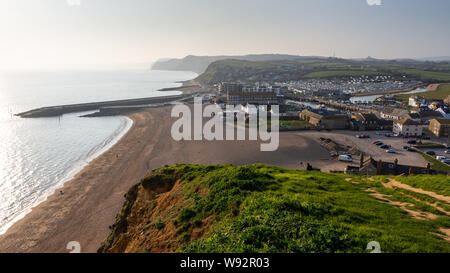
[54, 111]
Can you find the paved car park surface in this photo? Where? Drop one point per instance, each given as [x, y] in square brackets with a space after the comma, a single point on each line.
[365, 145]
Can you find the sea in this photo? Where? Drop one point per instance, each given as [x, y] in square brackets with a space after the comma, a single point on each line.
[37, 156]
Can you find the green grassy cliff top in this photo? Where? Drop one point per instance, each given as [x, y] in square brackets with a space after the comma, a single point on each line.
[259, 208]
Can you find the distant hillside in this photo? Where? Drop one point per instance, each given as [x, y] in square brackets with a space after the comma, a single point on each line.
[199, 64]
[259, 208]
[436, 59]
[313, 67]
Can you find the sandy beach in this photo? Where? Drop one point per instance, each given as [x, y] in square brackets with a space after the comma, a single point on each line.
[91, 200]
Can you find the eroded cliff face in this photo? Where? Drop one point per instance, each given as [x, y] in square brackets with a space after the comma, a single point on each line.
[147, 221]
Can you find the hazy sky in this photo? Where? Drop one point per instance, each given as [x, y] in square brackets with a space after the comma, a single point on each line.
[57, 34]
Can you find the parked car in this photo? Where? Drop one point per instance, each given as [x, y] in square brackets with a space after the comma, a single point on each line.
[390, 151]
[411, 150]
[385, 146]
[432, 153]
[379, 143]
[376, 142]
[446, 161]
[362, 136]
[405, 147]
[412, 142]
[345, 158]
[440, 157]
[447, 152]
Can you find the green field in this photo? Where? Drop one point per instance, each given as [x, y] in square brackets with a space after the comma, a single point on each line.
[442, 92]
[293, 124]
[428, 75]
[309, 68]
[260, 208]
[342, 73]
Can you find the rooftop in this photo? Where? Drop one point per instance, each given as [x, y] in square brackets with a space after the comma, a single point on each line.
[407, 121]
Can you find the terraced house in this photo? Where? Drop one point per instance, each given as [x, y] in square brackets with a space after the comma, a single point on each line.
[323, 119]
[407, 127]
[440, 127]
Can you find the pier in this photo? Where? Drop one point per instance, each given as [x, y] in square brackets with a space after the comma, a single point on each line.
[55, 111]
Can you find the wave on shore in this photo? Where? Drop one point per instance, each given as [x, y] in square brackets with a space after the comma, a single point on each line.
[125, 125]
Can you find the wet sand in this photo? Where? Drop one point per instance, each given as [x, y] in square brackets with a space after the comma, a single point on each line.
[91, 200]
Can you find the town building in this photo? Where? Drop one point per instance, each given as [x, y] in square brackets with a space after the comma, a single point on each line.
[393, 113]
[324, 119]
[262, 88]
[407, 127]
[373, 167]
[445, 112]
[447, 100]
[367, 122]
[257, 98]
[435, 105]
[226, 87]
[416, 101]
[440, 127]
[413, 116]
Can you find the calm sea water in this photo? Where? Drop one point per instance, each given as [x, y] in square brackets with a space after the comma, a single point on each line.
[38, 155]
[367, 99]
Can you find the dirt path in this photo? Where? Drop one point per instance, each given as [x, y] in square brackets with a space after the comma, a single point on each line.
[433, 87]
[421, 215]
[393, 183]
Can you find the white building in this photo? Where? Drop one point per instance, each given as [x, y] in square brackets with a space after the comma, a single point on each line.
[407, 127]
[416, 101]
[393, 113]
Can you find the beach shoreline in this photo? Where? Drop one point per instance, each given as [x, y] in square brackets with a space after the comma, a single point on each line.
[92, 199]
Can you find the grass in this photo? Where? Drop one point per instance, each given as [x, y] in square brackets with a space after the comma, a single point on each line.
[342, 73]
[437, 184]
[428, 75]
[430, 145]
[294, 124]
[266, 209]
[442, 92]
[250, 71]
[261, 208]
[435, 164]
